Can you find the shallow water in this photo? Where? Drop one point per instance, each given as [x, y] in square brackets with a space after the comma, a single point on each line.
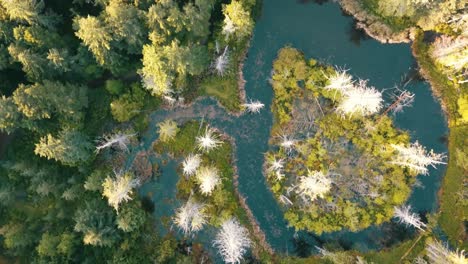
[321, 32]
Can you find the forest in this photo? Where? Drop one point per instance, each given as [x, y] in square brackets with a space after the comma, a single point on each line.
[79, 80]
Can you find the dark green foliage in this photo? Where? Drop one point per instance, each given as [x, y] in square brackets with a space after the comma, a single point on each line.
[69, 74]
[129, 104]
[69, 147]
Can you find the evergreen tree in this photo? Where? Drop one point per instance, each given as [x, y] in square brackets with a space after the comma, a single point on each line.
[70, 147]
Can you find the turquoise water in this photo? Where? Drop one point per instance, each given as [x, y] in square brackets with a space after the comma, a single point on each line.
[321, 32]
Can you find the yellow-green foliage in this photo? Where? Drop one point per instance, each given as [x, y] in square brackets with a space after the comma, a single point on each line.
[463, 108]
[222, 203]
[453, 212]
[355, 148]
[289, 69]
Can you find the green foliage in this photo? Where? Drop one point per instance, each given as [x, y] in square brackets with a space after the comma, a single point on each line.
[95, 36]
[70, 147]
[131, 217]
[50, 52]
[222, 203]
[96, 222]
[238, 22]
[350, 152]
[225, 90]
[48, 245]
[289, 69]
[43, 101]
[162, 65]
[114, 87]
[9, 115]
[129, 104]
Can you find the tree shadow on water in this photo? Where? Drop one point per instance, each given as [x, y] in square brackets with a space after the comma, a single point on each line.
[356, 35]
[301, 247]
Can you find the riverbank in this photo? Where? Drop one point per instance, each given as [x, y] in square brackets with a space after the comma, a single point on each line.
[452, 212]
[254, 227]
[373, 25]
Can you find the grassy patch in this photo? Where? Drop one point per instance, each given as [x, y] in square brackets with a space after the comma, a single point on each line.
[409, 249]
[452, 210]
[224, 89]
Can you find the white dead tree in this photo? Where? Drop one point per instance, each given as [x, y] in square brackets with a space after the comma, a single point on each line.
[191, 164]
[208, 178]
[208, 141]
[416, 158]
[254, 107]
[341, 81]
[118, 189]
[404, 215]
[232, 241]
[276, 166]
[287, 143]
[401, 100]
[190, 217]
[285, 200]
[221, 62]
[118, 140]
[439, 253]
[360, 99]
[314, 185]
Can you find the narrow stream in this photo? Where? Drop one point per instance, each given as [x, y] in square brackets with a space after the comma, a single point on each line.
[324, 33]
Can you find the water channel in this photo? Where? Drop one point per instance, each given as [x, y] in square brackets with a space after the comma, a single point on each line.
[323, 32]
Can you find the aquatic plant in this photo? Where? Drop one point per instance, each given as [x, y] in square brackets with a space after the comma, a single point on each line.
[167, 130]
[118, 189]
[360, 99]
[254, 106]
[119, 140]
[221, 62]
[190, 217]
[439, 253]
[416, 158]
[405, 216]
[232, 241]
[191, 164]
[314, 185]
[208, 141]
[208, 178]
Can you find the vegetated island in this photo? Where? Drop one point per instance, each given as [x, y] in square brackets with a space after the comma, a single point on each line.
[337, 161]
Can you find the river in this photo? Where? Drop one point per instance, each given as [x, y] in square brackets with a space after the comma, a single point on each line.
[322, 32]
